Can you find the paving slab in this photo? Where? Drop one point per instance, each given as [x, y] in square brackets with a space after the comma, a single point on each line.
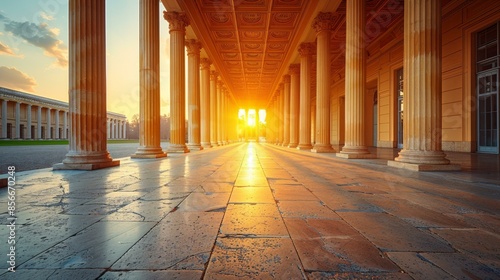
[251, 195]
[56, 274]
[292, 192]
[462, 266]
[153, 275]
[253, 220]
[201, 202]
[306, 210]
[418, 267]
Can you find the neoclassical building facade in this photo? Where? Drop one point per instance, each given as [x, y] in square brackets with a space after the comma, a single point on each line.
[334, 76]
[28, 116]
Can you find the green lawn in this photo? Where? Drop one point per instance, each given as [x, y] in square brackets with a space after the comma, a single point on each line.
[9, 142]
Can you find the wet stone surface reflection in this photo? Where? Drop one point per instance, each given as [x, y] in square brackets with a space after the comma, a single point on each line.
[253, 211]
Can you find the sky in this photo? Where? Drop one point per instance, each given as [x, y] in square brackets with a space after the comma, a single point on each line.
[34, 51]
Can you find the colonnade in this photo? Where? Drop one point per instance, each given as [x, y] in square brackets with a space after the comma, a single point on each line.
[290, 108]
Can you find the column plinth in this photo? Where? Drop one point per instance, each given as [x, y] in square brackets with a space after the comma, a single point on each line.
[355, 82]
[205, 102]
[323, 23]
[194, 133]
[87, 88]
[177, 30]
[149, 128]
[306, 51]
[422, 87]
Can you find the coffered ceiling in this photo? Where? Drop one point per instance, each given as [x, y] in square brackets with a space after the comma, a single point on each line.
[252, 42]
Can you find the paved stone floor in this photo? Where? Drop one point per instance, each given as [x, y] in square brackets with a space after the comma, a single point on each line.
[256, 211]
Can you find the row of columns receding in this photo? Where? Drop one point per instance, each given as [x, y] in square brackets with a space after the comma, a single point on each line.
[208, 98]
[43, 129]
[290, 108]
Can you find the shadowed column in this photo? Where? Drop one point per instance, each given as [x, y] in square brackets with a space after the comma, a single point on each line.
[355, 82]
[294, 105]
[177, 29]
[305, 50]
[193, 52]
[286, 109]
[219, 112]
[323, 23]
[87, 87]
[213, 108]
[205, 102]
[149, 48]
[422, 88]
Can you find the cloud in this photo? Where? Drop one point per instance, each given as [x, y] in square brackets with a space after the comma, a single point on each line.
[4, 49]
[45, 16]
[39, 35]
[15, 79]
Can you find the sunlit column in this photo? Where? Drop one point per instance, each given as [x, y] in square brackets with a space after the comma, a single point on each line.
[276, 124]
[149, 47]
[49, 123]
[87, 87]
[18, 120]
[281, 109]
[205, 102]
[323, 24]
[4, 119]
[219, 112]
[177, 26]
[28, 121]
[213, 108]
[65, 125]
[39, 122]
[422, 89]
[124, 129]
[294, 105]
[355, 82]
[286, 110]
[306, 51]
[193, 52]
[57, 124]
[225, 117]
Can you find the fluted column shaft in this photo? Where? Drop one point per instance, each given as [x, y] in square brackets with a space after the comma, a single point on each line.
[4, 119]
[28, 120]
[323, 24]
[205, 102]
[294, 105]
[87, 87]
[422, 85]
[213, 108]
[219, 112]
[149, 69]
[305, 50]
[194, 133]
[355, 81]
[177, 29]
[286, 110]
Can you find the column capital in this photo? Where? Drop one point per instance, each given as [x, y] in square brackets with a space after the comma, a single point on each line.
[177, 21]
[213, 75]
[324, 21]
[307, 48]
[294, 69]
[205, 63]
[193, 47]
[286, 79]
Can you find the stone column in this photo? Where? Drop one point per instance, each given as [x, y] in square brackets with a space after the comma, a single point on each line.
[205, 102]
[18, 120]
[355, 82]
[219, 112]
[149, 81]
[294, 105]
[125, 129]
[276, 110]
[119, 128]
[194, 133]
[39, 123]
[113, 129]
[213, 108]
[177, 29]
[87, 87]
[306, 51]
[224, 117]
[286, 110]
[4, 119]
[49, 124]
[56, 132]
[422, 87]
[281, 109]
[323, 24]
[65, 125]
[28, 121]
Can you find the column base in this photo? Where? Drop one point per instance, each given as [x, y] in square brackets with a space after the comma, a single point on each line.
[322, 149]
[146, 152]
[304, 147]
[214, 144]
[85, 166]
[293, 145]
[355, 156]
[220, 143]
[423, 166]
[177, 148]
[206, 145]
[194, 147]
